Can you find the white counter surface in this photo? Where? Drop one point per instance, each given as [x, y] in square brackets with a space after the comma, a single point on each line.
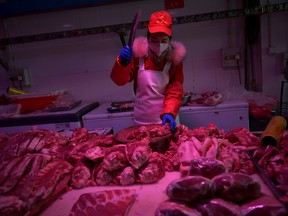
[148, 196]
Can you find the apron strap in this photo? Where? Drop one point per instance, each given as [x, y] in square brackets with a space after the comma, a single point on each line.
[142, 65]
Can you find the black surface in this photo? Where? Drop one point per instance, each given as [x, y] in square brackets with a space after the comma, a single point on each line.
[50, 118]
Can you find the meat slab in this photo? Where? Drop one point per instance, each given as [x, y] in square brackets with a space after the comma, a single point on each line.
[105, 203]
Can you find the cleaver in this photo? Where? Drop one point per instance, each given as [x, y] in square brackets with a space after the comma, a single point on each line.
[133, 31]
[134, 28]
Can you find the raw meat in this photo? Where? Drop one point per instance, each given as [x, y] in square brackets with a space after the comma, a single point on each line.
[138, 153]
[219, 207]
[264, 206]
[101, 176]
[49, 182]
[152, 172]
[190, 189]
[105, 203]
[17, 173]
[12, 206]
[169, 208]
[242, 136]
[206, 167]
[236, 187]
[81, 175]
[210, 98]
[31, 142]
[115, 158]
[95, 153]
[125, 176]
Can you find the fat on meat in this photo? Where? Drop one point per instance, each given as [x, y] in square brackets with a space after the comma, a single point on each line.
[95, 153]
[16, 174]
[46, 180]
[169, 208]
[115, 202]
[39, 162]
[11, 205]
[6, 170]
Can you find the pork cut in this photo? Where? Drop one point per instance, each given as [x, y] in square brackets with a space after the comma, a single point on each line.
[190, 189]
[12, 206]
[125, 177]
[264, 206]
[115, 158]
[102, 176]
[236, 187]
[169, 208]
[81, 175]
[206, 167]
[153, 171]
[105, 203]
[219, 207]
[138, 153]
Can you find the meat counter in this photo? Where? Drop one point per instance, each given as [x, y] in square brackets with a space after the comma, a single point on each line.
[101, 118]
[227, 115]
[56, 120]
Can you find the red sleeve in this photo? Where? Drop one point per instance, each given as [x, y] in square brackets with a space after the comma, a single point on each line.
[174, 91]
[121, 75]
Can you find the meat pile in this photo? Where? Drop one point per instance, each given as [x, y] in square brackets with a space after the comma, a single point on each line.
[37, 166]
[31, 180]
[230, 148]
[222, 193]
[275, 162]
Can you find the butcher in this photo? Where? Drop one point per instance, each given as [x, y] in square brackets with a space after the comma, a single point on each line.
[155, 64]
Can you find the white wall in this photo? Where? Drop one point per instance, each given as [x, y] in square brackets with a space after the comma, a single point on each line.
[83, 64]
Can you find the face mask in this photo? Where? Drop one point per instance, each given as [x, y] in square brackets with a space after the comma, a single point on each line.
[159, 49]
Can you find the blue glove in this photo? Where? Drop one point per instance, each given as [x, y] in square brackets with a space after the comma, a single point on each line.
[125, 55]
[168, 118]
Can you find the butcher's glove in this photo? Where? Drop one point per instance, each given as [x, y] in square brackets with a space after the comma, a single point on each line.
[168, 118]
[125, 55]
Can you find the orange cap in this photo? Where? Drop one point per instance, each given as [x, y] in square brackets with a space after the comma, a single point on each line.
[160, 22]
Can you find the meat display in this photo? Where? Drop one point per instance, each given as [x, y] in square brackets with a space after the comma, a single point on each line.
[105, 203]
[38, 166]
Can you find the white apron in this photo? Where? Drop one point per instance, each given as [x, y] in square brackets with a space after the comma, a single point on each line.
[150, 94]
